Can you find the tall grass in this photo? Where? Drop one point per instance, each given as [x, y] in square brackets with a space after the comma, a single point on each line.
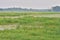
[31, 28]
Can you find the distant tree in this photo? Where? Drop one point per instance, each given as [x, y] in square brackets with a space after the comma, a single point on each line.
[56, 8]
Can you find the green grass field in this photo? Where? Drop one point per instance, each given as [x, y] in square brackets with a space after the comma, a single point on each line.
[30, 27]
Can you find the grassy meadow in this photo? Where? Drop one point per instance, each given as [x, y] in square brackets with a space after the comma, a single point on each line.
[29, 26]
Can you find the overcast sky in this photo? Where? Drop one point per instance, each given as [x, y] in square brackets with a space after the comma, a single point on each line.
[29, 3]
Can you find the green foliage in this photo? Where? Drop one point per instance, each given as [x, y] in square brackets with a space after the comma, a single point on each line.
[31, 28]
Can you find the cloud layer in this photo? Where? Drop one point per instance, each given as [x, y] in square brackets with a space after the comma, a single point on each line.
[29, 3]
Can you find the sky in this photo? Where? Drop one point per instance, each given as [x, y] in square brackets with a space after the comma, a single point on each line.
[38, 4]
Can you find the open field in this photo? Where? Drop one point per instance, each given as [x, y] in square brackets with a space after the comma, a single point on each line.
[34, 14]
[29, 26]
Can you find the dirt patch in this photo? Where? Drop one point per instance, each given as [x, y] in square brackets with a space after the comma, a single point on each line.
[8, 27]
[48, 15]
[9, 17]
